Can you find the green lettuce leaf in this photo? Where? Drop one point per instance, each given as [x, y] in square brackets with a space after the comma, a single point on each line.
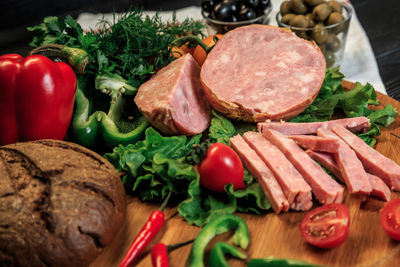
[155, 165]
[221, 129]
[332, 98]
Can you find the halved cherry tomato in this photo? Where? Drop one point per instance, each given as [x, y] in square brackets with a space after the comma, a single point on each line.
[221, 166]
[199, 54]
[326, 226]
[390, 218]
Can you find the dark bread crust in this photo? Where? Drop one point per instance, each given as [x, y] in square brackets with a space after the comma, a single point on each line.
[60, 204]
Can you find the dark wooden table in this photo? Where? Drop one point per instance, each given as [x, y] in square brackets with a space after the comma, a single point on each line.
[380, 20]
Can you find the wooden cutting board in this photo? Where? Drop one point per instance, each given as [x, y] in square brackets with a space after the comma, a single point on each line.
[279, 235]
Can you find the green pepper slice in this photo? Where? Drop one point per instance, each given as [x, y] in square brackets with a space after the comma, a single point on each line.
[217, 226]
[278, 262]
[217, 256]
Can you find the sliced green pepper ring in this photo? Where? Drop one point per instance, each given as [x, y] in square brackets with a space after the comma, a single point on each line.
[217, 226]
[217, 256]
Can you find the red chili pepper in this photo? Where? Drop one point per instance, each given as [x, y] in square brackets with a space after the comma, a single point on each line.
[146, 234]
[159, 255]
[36, 98]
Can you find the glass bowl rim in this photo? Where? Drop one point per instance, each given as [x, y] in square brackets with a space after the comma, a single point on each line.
[349, 12]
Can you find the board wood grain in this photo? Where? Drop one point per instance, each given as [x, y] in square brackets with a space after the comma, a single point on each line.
[279, 235]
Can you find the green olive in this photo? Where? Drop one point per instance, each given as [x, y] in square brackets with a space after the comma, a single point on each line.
[334, 44]
[285, 19]
[310, 20]
[322, 47]
[334, 18]
[298, 7]
[329, 58]
[321, 12]
[319, 34]
[313, 2]
[298, 21]
[336, 6]
[302, 34]
[331, 37]
[285, 7]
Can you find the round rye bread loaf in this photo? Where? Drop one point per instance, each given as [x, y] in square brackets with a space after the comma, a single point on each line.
[60, 204]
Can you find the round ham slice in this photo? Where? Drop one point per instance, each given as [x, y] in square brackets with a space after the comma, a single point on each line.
[261, 72]
[173, 100]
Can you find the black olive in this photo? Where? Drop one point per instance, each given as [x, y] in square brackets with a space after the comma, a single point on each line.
[247, 14]
[263, 4]
[208, 5]
[234, 18]
[252, 3]
[222, 11]
[234, 5]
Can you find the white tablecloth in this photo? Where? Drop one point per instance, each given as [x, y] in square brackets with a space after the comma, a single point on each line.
[359, 62]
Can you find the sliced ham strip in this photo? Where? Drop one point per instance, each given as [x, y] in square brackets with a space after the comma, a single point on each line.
[325, 189]
[173, 100]
[316, 143]
[262, 173]
[296, 190]
[356, 124]
[350, 166]
[373, 161]
[379, 188]
[327, 160]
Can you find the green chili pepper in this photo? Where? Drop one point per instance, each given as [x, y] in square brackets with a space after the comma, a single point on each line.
[217, 256]
[217, 226]
[90, 128]
[277, 262]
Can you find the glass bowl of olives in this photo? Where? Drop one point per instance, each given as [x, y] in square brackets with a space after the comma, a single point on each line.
[226, 15]
[324, 22]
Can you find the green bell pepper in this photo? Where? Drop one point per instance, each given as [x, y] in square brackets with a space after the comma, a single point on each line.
[217, 226]
[93, 128]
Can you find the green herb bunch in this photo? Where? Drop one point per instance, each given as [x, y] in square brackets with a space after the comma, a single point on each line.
[132, 46]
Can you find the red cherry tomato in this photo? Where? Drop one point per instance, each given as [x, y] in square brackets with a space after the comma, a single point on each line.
[390, 218]
[220, 167]
[326, 226]
[199, 54]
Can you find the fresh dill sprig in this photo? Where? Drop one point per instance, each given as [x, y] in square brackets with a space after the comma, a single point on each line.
[132, 45]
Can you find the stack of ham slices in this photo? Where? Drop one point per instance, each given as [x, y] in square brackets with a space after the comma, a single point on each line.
[283, 157]
[253, 73]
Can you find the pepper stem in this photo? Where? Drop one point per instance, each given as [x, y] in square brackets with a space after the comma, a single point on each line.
[398, 136]
[178, 245]
[200, 42]
[165, 202]
[76, 57]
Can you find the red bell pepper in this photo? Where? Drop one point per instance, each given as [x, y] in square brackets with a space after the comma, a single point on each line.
[36, 98]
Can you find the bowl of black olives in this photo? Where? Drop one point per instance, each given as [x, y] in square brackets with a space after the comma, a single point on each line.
[326, 22]
[226, 15]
